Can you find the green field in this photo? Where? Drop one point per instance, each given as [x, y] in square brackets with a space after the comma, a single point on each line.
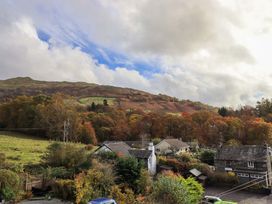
[97, 100]
[20, 148]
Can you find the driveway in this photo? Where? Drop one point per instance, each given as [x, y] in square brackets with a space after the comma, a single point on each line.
[242, 197]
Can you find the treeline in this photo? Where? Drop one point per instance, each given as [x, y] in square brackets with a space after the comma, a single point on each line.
[59, 118]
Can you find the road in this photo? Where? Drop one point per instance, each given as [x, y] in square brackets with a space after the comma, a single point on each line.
[242, 197]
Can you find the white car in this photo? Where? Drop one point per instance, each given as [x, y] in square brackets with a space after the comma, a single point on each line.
[211, 199]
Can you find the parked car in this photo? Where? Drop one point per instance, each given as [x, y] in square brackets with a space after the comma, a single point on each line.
[102, 201]
[215, 200]
[210, 199]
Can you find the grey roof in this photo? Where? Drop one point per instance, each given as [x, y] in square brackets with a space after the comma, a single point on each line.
[242, 153]
[176, 143]
[118, 147]
[195, 172]
[140, 153]
[138, 144]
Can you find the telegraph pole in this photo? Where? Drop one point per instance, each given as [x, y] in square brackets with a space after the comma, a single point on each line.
[66, 127]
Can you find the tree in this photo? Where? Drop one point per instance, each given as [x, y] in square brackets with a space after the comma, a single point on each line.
[174, 189]
[169, 190]
[258, 132]
[129, 171]
[67, 155]
[87, 134]
[223, 111]
[53, 116]
[105, 102]
[94, 183]
[207, 156]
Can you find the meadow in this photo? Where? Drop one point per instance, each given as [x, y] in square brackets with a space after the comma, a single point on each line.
[23, 149]
[97, 100]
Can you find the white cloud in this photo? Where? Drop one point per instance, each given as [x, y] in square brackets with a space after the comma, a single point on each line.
[215, 51]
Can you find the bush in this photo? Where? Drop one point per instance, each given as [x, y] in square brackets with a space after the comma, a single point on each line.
[9, 184]
[122, 197]
[207, 156]
[174, 189]
[169, 190]
[218, 178]
[129, 171]
[64, 189]
[144, 183]
[57, 172]
[94, 183]
[67, 155]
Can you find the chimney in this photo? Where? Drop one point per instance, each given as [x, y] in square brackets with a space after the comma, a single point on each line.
[151, 147]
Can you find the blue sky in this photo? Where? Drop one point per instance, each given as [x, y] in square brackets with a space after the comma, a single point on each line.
[217, 52]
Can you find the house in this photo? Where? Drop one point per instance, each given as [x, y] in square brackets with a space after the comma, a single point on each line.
[171, 146]
[121, 148]
[118, 147]
[248, 162]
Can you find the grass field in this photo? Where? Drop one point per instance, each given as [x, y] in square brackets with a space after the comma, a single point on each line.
[97, 100]
[20, 148]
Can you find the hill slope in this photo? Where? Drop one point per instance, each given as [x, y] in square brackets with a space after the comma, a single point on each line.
[124, 98]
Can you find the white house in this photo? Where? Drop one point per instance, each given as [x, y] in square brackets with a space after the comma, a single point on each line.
[171, 146]
[121, 148]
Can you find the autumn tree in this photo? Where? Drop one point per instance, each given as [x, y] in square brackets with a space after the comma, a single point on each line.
[87, 134]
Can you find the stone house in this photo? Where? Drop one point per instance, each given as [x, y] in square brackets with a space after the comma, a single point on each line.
[122, 149]
[171, 146]
[248, 162]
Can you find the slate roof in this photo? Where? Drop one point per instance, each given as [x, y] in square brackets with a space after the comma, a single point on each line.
[138, 144]
[242, 153]
[139, 153]
[195, 172]
[176, 143]
[118, 147]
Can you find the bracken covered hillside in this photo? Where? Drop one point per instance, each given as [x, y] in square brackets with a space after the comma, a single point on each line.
[85, 93]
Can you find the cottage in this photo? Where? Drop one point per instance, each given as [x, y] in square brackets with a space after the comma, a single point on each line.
[171, 146]
[118, 147]
[248, 162]
[121, 148]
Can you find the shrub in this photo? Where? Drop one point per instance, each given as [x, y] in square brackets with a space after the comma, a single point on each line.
[169, 190]
[57, 172]
[207, 156]
[144, 183]
[122, 197]
[94, 183]
[9, 184]
[67, 155]
[224, 178]
[172, 188]
[64, 189]
[129, 171]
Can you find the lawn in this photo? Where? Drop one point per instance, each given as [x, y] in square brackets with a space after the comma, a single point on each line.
[24, 149]
[97, 100]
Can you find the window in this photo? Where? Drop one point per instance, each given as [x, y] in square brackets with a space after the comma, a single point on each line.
[242, 175]
[256, 176]
[250, 164]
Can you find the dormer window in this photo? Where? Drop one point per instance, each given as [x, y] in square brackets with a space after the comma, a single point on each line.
[250, 164]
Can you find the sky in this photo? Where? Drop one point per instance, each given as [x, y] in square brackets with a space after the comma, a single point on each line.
[214, 51]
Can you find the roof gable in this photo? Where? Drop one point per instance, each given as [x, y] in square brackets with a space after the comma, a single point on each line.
[175, 143]
[118, 147]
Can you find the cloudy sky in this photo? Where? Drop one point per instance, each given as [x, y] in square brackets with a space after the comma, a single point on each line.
[214, 51]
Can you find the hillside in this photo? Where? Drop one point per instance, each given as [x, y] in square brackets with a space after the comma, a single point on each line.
[17, 147]
[86, 93]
